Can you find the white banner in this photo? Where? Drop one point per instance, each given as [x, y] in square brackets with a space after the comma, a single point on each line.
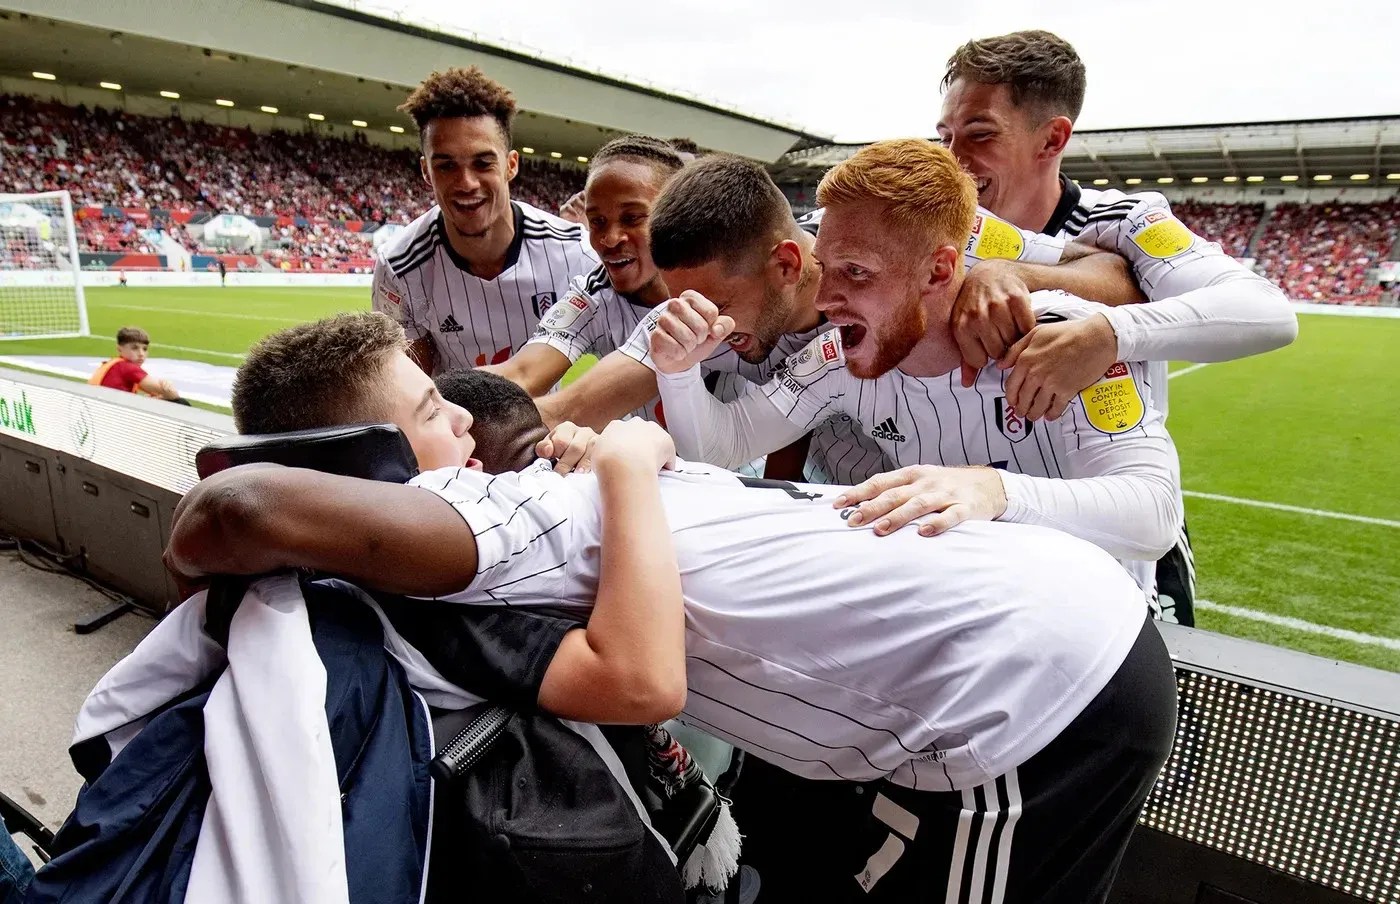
[192, 279]
[151, 441]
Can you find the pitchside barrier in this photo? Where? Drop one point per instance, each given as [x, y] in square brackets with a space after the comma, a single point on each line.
[1283, 784]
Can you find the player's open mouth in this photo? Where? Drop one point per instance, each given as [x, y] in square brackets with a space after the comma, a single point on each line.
[619, 265]
[474, 464]
[469, 206]
[982, 185]
[740, 342]
[852, 334]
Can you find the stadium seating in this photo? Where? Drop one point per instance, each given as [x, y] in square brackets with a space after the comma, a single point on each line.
[1323, 252]
[130, 169]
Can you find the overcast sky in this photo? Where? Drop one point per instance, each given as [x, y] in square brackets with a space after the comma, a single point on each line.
[865, 70]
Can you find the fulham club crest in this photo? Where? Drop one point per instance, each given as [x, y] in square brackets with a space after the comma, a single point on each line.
[1010, 422]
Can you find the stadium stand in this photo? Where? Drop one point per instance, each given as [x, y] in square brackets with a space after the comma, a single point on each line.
[320, 196]
[1323, 252]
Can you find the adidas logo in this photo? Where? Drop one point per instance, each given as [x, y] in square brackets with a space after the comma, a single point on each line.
[888, 430]
[450, 325]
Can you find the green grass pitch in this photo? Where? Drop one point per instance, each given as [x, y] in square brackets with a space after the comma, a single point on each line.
[1312, 426]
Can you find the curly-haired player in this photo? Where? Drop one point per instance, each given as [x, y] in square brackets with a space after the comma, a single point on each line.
[469, 279]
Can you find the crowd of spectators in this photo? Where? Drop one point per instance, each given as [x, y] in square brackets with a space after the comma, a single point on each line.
[108, 157]
[1324, 252]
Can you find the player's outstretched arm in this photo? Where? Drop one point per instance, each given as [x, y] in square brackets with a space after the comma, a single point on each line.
[628, 665]
[612, 388]
[160, 389]
[535, 368]
[256, 519]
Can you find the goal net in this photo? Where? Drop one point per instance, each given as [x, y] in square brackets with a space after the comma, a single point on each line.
[41, 291]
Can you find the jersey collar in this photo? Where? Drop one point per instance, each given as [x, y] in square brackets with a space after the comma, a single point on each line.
[512, 253]
[1069, 199]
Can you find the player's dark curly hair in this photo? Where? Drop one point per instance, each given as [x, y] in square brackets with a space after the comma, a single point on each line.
[460, 92]
[686, 146]
[321, 374]
[1044, 71]
[721, 208]
[652, 152]
[507, 423]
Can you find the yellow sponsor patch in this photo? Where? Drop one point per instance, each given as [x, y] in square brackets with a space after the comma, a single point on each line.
[1114, 405]
[1162, 235]
[995, 238]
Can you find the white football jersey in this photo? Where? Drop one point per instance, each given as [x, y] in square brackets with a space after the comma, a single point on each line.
[938, 421]
[824, 649]
[425, 286]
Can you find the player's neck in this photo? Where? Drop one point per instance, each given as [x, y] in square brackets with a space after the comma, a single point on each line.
[485, 254]
[1036, 204]
[937, 352]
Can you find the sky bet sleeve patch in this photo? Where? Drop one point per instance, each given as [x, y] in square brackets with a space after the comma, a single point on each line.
[1114, 404]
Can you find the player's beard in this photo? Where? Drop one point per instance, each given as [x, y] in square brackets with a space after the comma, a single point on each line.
[894, 340]
[772, 323]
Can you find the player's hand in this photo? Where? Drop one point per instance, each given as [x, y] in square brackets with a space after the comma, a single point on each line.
[635, 440]
[1054, 362]
[688, 331]
[573, 210]
[949, 496]
[571, 447]
[992, 311]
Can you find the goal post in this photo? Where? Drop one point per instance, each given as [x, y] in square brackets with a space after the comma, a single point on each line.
[41, 286]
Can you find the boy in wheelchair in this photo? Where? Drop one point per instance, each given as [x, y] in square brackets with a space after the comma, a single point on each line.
[1003, 669]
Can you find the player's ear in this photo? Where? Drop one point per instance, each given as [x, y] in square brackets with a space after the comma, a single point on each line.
[944, 263]
[1055, 136]
[512, 165]
[786, 262]
[423, 169]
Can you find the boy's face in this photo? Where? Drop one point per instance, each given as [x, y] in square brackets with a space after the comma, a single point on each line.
[135, 352]
[438, 431]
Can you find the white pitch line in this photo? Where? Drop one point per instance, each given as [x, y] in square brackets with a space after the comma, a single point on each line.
[1186, 370]
[161, 346]
[198, 313]
[1296, 509]
[1297, 624]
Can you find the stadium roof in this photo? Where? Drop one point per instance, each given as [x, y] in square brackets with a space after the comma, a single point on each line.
[304, 57]
[1270, 152]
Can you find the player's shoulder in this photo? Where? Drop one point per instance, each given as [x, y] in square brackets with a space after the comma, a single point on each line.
[414, 245]
[995, 238]
[540, 226]
[586, 294]
[817, 359]
[1110, 204]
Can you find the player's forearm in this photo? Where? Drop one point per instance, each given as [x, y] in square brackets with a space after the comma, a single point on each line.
[1088, 273]
[535, 368]
[637, 628]
[1130, 516]
[725, 434]
[1239, 315]
[258, 519]
[611, 389]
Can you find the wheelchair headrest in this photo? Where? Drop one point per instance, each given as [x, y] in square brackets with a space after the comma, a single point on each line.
[368, 451]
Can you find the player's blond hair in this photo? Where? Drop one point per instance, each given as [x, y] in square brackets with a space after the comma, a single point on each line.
[321, 374]
[919, 183]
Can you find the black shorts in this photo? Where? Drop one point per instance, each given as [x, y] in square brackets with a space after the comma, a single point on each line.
[1176, 583]
[1051, 830]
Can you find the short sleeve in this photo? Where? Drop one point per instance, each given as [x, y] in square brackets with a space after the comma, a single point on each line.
[390, 296]
[806, 386]
[569, 325]
[993, 237]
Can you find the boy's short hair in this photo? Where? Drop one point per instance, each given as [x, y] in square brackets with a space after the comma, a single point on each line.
[460, 92]
[321, 374]
[721, 208]
[503, 414]
[1044, 72]
[130, 334]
